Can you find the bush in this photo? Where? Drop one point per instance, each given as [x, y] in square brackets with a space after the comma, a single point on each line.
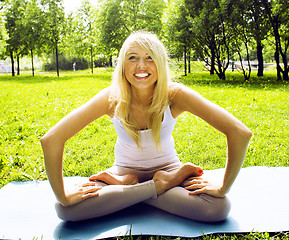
[65, 63]
[100, 62]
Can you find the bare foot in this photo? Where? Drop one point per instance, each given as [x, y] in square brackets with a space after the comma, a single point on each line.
[167, 180]
[113, 179]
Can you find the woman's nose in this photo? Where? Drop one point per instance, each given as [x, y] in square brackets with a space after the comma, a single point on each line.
[141, 63]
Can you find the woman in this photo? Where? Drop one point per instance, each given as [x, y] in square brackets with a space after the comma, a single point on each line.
[144, 105]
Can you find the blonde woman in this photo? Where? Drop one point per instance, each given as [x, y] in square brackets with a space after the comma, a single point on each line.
[144, 105]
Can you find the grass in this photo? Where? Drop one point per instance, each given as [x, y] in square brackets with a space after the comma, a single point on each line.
[262, 106]
[249, 236]
[32, 105]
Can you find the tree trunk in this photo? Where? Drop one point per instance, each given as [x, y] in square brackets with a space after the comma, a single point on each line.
[260, 59]
[91, 59]
[18, 65]
[247, 76]
[221, 75]
[56, 55]
[286, 75]
[221, 70]
[277, 60]
[32, 63]
[189, 61]
[185, 59]
[286, 67]
[275, 24]
[12, 63]
[213, 56]
[110, 60]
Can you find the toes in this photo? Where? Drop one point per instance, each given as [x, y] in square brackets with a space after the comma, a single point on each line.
[199, 171]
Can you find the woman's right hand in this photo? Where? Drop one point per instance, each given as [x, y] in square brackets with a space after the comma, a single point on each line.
[79, 192]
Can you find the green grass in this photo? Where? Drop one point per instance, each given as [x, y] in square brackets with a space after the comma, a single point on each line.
[262, 106]
[32, 105]
[249, 236]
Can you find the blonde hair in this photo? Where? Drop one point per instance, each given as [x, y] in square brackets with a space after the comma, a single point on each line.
[121, 89]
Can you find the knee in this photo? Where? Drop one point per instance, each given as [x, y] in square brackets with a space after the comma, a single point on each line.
[217, 209]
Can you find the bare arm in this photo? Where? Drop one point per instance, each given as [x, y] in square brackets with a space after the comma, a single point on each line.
[238, 135]
[54, 140]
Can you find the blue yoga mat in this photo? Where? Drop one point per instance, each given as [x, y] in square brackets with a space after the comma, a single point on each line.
[260, 202]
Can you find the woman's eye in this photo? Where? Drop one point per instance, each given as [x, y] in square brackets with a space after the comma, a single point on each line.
[132, 58]
[150, 58]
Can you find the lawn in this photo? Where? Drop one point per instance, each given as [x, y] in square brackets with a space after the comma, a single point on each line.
[32, 105]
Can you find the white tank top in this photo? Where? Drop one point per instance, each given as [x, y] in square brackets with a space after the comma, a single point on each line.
[127, 154]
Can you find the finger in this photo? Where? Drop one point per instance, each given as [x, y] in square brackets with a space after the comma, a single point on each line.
[195, 178]
[189, 183]
[88, 184]
[90, 195]
[196, 186]
[199, 191]
[92, 190]
[196, 181]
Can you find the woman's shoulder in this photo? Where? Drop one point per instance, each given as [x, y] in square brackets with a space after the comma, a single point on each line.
[111, 100]
[103, 101]
[176, 98]
[177, 90]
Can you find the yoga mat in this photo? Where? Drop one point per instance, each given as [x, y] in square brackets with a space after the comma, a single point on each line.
[260, 202]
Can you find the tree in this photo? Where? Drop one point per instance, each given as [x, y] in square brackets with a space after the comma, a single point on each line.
[33, 29]
[238, 22]
[87, 33]
[248, 20]
[210, 38]
[54, 26]
[118, 18]
[3, 34]
[176, 30]
[277, 12]
[258, 26]
[14, 12]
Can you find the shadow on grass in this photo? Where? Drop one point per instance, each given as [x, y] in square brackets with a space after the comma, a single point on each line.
[47, 77]
[235, 79]
[204, 78]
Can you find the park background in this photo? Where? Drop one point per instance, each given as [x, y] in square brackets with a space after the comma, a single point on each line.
[232, 52]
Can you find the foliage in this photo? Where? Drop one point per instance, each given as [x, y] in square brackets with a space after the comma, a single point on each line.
[176, 32]
[258, 28]
[14, 13]
[277, 12]
[3, 35]
[33, 32]
[218, 30]
[65, 62]
[170, 33]
[83, 33]
[214, 31]
[239, 22]
[213, 37]
[119, 18]
[54, 25]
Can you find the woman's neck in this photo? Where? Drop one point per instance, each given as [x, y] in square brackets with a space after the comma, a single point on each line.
[141, 98]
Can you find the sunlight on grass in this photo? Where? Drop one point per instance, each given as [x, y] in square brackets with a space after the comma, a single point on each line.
[30, 106]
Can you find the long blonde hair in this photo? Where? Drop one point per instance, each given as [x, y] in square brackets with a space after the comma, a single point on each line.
[121, 89]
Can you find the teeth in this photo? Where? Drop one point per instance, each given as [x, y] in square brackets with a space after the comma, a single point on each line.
[141, 75]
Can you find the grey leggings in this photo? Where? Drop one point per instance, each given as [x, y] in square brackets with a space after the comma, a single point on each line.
[176, 200]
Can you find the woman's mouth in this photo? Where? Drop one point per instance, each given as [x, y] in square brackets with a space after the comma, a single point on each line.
[141, 75]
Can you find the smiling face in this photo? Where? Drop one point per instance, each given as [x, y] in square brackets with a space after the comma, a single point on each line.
[139, 68]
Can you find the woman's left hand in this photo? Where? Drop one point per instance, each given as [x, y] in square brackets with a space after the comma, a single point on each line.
[199, 185]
